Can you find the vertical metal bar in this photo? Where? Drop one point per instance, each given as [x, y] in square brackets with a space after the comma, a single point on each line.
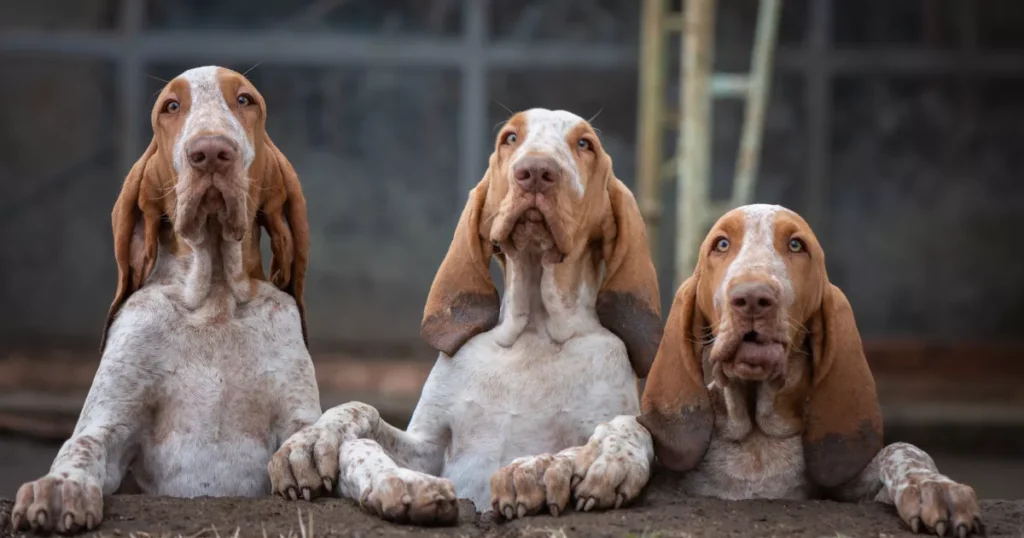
[968, 19]
[473, 98]
[651, 123]
[819, 113]
[757, 98]
[130, 84]
[692, 193]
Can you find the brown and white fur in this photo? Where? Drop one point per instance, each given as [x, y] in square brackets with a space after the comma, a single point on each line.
[760, 388]
[204, 368]
[540, 370]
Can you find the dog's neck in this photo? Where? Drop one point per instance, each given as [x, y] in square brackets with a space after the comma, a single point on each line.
[774, 409]
[204, 264]
[552, 299]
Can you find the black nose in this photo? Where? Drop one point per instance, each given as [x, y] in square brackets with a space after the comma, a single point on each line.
[212, 153]
[536, 173]
[753, 299]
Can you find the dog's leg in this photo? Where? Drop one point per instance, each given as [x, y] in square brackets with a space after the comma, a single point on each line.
[94, 460]
[398, 494]
[390, 472]
[906, 476]
[326, 456]
[607, 472]
[298, 404]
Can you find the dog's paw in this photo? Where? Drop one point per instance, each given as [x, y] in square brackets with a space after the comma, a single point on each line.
[530, 484]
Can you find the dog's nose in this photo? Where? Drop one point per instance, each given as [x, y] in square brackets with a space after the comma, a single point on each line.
[536, 173]
[753, 299]
[212, 154]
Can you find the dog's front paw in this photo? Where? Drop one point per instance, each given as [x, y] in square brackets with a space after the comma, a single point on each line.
[306, 465]
[406, 496]
[527, 485]
[59, 503]
[613, 467]
[932, 503]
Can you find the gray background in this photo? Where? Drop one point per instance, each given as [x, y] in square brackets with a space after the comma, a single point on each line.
[920, 216]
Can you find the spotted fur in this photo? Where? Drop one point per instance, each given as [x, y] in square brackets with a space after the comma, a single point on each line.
[535, 387]
[812, 430]
[204, 371]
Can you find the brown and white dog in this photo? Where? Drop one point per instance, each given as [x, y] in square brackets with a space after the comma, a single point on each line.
[760, 388]
[540, 370]
[205, 369]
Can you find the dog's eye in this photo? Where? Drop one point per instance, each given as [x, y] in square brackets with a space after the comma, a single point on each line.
[584, 144]
[796, 245]
[244, 100]
[509, 139]
[721, 245]
[171, 106]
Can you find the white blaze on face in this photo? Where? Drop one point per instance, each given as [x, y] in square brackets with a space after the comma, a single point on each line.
[545, 133]
[758, 254]
[209, 113]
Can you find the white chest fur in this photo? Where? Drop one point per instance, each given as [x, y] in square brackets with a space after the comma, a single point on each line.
[758, 467]
[531, 398]
[214, 412]
[752, 454]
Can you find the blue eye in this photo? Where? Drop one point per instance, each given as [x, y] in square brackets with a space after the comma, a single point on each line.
[722, 244]
[796, 245]
[244, 100]
[584, 144]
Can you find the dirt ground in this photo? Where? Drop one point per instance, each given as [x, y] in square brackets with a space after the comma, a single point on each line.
[661, 513]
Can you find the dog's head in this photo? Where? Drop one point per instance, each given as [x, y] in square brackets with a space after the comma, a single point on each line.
[210, 168]
[549, 192]
[758, 298]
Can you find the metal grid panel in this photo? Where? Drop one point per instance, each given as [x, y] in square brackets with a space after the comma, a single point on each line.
[473, 55]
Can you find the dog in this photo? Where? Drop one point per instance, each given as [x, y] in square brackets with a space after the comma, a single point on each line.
[549, 367]
[760, 388]
[204, 369]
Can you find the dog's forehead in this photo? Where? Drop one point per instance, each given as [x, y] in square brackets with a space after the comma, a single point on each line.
[758, 220]
[544, 122]
[204, 83]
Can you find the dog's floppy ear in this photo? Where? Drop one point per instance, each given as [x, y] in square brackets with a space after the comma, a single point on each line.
[463, 301]
[676, 403]
[283, 214]
[628, 303]
[136, 224]
[843, 421]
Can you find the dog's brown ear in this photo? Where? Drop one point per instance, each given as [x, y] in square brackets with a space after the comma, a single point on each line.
[843, 421]
[136, 224]
[628, 303]
[463, 301]
[676, 403]
[283, 213]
